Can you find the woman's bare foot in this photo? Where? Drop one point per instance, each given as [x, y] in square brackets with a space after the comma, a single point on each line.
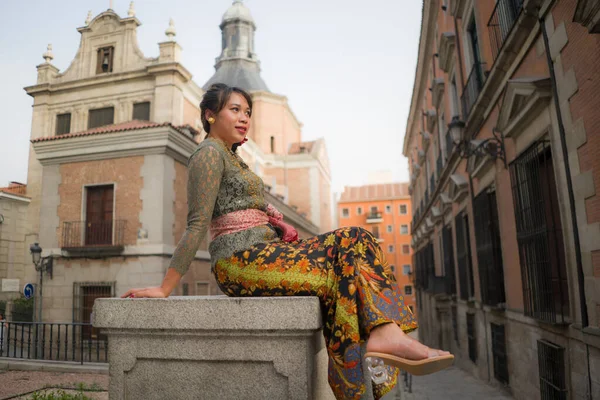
[390, 339]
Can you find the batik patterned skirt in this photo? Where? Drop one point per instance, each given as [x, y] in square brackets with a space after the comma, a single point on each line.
[347, 270]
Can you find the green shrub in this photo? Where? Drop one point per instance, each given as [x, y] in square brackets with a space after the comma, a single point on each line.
[58, 395]
[22, 310]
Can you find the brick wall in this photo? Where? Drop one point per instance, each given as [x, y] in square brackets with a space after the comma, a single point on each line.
[124, 173]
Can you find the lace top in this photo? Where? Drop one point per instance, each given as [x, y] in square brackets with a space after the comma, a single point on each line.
[219, 182]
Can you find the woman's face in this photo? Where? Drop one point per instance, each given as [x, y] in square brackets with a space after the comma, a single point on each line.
[232, 123]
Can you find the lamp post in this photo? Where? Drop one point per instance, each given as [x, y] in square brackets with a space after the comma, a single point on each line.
[41, 264]
[492, 147]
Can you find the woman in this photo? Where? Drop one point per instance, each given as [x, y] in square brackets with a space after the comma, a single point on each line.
[345, 268]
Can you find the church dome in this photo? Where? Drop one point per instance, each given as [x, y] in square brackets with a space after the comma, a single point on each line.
[238, 11]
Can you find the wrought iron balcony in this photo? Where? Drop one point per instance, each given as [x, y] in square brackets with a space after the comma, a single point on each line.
[88, 236]
[503, 19]
[374, 217]
[472, 89]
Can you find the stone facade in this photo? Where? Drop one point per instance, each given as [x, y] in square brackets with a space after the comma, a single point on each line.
[506, 218]
[13, 218]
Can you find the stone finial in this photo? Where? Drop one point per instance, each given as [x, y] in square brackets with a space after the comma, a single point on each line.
[131, 11]
[171, 32]
[89, 18]
[48, 56]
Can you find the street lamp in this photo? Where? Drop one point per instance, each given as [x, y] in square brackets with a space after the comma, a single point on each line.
[492, 147]
[41, 263]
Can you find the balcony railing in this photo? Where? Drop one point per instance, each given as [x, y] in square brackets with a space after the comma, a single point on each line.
[502, 21]
[374, 217]
[472, 89]
[84, 234]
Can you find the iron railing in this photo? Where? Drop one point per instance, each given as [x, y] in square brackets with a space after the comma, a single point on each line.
[501, 22]
[539, 235]
[489, 251]
[472, 337]
[77, 234]
[499, 353]
[463, 255]
[52, 341]
[551, 360]
[472, 89]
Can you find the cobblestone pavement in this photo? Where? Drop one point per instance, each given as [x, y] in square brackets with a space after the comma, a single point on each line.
[451, 384]
[15, 383]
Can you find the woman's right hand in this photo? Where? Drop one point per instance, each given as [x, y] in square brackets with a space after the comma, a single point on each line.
[151, 292]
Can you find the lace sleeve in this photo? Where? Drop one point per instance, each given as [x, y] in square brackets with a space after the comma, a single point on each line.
[205, 170]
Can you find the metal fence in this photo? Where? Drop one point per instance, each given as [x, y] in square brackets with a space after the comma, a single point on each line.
[77, 234]
[472, 89]
[51, 341]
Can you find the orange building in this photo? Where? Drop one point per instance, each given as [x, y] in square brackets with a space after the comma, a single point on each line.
[384, 210]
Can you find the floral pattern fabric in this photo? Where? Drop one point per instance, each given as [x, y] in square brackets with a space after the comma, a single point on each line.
[347, 270]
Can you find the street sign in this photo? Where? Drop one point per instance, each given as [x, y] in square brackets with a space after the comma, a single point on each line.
[28, 291]
[10, 285]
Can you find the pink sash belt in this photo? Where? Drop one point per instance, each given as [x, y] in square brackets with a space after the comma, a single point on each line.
[241, 220]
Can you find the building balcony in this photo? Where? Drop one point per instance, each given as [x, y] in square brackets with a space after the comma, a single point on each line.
[502, 21]
[472, 89]
[93, 237]
[374, 217]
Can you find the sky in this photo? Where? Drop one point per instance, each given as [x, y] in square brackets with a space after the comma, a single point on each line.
[346, 66]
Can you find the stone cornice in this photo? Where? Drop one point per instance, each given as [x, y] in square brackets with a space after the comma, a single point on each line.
[425, 44]
[15, 197]
[160, 140]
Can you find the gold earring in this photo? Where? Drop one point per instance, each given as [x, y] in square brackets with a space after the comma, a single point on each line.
[211, 120]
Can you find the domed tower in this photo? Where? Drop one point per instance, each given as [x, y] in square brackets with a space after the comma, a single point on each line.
[238, 64]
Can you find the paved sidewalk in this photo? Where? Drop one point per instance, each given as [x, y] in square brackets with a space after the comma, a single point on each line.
[14, 383]
[452, 384]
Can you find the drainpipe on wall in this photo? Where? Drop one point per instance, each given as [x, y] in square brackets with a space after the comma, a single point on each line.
[563, 143]
[576, 240]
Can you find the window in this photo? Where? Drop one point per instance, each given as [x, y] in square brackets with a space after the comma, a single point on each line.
[406, 269]
[345, 212]
[408, 290]
[390, 228]
[101, 117]
[448, 259]
[99, 215]
[374, 210]
[404, 229]
[472, 337]
[272, 144]
[63, 123]
[359, 211]
[376, 232]
[539, 235]
[141, 111]
[405, 249]
[185, 289]
[411, 308]
[499, 353]
[388, 209]
[454, 101]
[84, 295]
[202, 289]
[392, 268]
[489, 251]
[104, 63]
[551, 362]
[463, 255]
[403, 209]
[390, 248]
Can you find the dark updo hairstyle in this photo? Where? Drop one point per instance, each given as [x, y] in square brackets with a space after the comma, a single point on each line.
[215, 99]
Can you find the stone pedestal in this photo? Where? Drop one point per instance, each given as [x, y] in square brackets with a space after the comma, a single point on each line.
[215, 347]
